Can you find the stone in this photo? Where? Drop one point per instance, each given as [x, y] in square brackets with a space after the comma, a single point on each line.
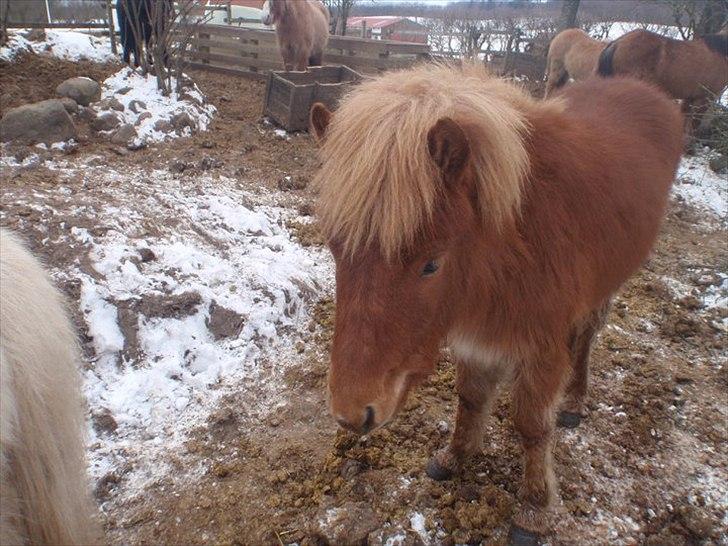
[103, 421]
[137, 106]
[142, 117]
[719, 163]
[123, 90]
[86, 114]
[106, 122]
[224, 323]
[110, 103]
[182, 120]
[83, 90]
[124, 134]
[46, 121]
[163, 125]
[70, 105]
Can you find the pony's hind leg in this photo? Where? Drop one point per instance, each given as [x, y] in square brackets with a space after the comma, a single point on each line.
[556, 76]
[536, 391]
[582, 339]
[476, 385]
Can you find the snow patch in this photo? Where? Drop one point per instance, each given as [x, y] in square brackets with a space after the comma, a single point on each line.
[143, 90]
[701, 187]
[65, 44]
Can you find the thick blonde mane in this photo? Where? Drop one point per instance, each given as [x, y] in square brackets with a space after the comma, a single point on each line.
[378, 184]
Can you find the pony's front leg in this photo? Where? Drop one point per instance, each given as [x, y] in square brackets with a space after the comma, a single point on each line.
[476, 384]
[536, 393]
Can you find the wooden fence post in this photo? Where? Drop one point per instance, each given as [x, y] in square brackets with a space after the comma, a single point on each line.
[112, 31]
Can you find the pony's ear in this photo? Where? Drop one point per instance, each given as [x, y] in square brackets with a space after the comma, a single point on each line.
[448, 146]
[319, 120]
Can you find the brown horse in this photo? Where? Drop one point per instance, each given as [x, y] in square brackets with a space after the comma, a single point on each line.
[459, 209]
[302, 28]
[572, 54]
[695, 71]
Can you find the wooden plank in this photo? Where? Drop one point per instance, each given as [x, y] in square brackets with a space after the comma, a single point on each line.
[230, 60]
[353, 43]
[263, 36]
[233, 46]
[379, 63]
[230, 71]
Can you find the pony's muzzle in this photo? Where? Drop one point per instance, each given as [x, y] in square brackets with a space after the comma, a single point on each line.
[365, 424]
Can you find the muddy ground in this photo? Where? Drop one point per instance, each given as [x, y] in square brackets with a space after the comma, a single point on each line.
[648, 466]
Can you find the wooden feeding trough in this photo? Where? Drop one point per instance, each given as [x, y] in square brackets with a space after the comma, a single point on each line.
[290, 95]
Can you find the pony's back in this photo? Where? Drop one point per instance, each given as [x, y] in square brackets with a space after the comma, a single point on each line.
[43, 488]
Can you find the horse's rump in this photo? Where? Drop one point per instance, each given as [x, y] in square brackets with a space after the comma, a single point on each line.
[43, 487]
[606, 59]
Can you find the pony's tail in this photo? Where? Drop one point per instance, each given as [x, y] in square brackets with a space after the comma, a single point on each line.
[606, 60]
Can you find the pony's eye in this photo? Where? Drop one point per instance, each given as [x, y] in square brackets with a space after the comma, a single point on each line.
[430, 268]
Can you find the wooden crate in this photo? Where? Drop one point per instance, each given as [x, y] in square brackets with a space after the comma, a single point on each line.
[290, 95]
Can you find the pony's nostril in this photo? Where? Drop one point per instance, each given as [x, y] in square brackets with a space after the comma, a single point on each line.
[369, 421]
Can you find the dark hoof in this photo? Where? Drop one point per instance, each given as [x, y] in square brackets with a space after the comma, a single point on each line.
[518, 536]
[568, 419]
[437, 472]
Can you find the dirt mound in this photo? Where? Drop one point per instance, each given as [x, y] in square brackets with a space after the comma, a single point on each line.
[32, 78]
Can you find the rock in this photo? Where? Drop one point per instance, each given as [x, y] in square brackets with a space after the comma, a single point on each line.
[124, 134]
[123, 91]
[163, 125]
[137, 106]
[110, 103]
[224, 323]
[35, 35]
[86, 114]
[142, 117]
[70, 105]
[208, 144]
[348, 524]
[46, 121]
[147, 255]
[180, 167]
[169, 305]
[719, 163]
[103, 421]
[83, 90]
[208, 163]
[106, 122]
[181, 121]
[288, 183]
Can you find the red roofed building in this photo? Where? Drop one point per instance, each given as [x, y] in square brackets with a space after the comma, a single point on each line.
[387, 27]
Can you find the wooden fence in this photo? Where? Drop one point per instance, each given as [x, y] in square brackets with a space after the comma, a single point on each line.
[253, 53]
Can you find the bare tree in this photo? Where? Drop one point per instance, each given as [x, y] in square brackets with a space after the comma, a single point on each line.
[568, 14]
[698, 17]
[4, 12]
[340, 10]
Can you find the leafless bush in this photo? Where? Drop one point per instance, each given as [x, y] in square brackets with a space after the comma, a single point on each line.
[165, 33]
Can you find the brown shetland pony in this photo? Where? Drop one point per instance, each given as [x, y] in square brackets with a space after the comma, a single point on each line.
[572, 54]
[695, 71]
[461, 211]
[302, 28]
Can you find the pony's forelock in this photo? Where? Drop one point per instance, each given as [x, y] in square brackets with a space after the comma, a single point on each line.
[378, 184]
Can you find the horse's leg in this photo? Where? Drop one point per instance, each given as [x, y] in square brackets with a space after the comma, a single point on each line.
[556, 76]
[536, 391]
[476, 385]
[302, 61]
[572, 410]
